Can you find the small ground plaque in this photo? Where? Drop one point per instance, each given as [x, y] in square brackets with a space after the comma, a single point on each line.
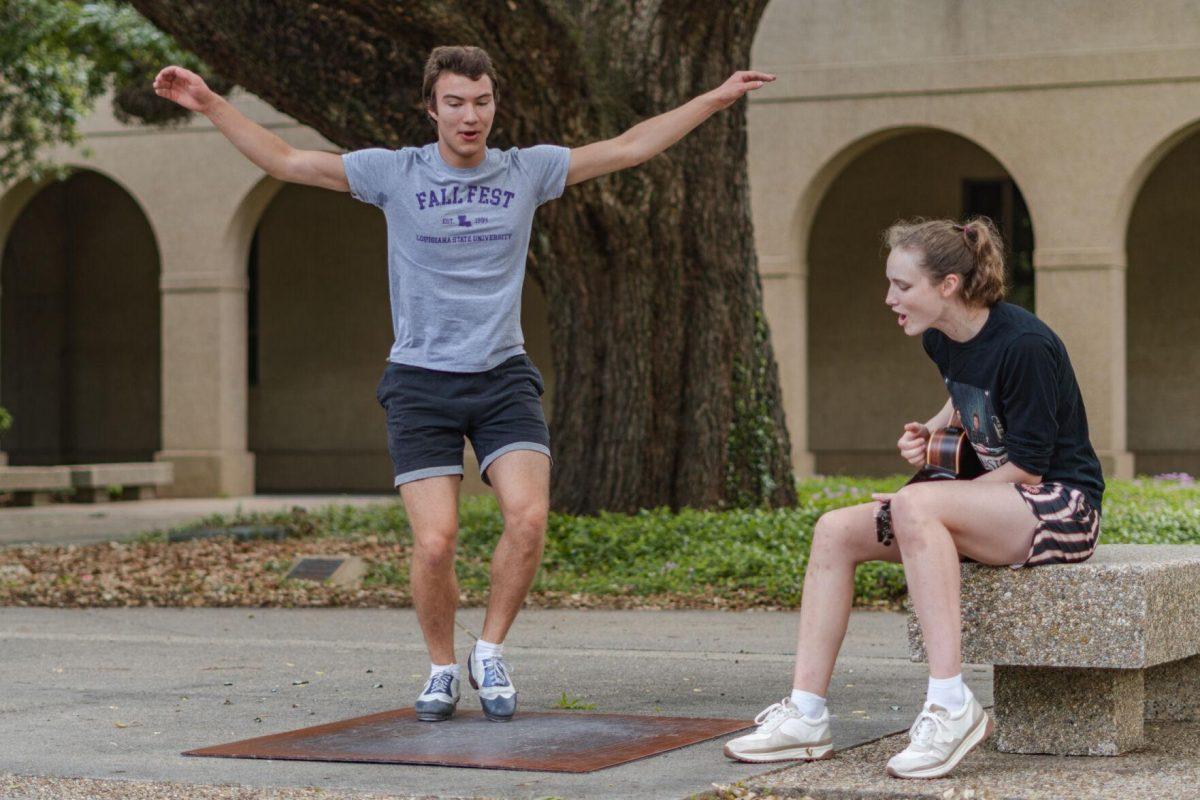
[338, 570]
[563, 741]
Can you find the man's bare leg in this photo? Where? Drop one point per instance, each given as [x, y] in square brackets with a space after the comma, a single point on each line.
[522, 483]
[432, 507]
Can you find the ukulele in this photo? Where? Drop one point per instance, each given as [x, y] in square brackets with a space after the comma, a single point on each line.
[948, 456]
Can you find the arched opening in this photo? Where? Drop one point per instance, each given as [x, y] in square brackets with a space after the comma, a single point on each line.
[1162, 282]
[318, 336]
[866, 379]
[80, 347]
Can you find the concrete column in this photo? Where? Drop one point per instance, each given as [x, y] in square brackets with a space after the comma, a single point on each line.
[785, 299]
[1081, 295]
[3, 455]
[204, 383]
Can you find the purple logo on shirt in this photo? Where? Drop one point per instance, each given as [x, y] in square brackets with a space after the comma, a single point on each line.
[464, 195]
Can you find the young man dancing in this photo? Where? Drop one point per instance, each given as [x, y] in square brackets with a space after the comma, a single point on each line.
[459, 217]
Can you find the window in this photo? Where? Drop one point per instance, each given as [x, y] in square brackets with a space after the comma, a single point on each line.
[1002, 202]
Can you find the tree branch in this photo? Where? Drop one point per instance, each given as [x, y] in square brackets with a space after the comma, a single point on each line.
[352, 70]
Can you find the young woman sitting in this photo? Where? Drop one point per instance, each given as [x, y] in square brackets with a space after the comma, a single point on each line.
[1037, 501]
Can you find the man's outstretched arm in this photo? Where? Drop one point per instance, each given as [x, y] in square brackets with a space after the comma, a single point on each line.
[649, 138]
[275, 156]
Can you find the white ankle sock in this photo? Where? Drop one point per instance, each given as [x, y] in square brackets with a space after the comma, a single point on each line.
[808, 704]
[949, 693]
[487, 649]
[434, 669]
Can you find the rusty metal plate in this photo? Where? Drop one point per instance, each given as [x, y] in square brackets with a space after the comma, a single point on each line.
[543, 741]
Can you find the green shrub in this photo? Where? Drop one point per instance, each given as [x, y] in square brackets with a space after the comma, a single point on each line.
[739, 557]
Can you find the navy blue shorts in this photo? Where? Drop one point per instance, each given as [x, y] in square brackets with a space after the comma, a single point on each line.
[429, 412]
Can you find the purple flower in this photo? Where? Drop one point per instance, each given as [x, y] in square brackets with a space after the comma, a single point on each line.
[1180, 477]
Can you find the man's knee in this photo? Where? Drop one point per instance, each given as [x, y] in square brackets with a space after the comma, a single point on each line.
[526, 523]
[434, 547]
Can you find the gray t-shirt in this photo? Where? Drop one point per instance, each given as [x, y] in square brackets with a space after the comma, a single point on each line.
[457, 242]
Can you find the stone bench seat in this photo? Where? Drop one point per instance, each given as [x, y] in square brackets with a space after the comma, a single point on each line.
[137, 480]
[1084, 653]
[34, 486]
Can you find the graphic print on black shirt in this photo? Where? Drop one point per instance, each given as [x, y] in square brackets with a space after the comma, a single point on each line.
[980, 421]
[1017, 397]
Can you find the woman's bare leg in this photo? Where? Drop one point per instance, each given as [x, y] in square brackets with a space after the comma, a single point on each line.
[842, 540]
[935, 522]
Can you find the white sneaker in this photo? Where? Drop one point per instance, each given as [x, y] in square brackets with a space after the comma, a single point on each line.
[783, 734]
[940, 740]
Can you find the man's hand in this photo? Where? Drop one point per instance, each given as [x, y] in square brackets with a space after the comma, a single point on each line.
[266, 150]
[913, 443]
[739, 83]
[184, 87]
[650, 137]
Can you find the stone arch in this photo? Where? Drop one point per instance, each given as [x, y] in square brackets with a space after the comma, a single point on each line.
[833, 163]
[1135, 183]
[318, 336]
[80, 346]
[1162, 243]
[317, 265]
[865, 379]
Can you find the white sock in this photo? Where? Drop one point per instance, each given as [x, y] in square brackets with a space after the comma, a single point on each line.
[811, 706]
[434, 669]
[487, 649]
[949, 693]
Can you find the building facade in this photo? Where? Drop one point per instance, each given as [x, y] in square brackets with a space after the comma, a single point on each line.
[169, 301]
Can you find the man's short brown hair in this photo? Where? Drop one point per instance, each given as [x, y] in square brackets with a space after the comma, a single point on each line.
[473, 62]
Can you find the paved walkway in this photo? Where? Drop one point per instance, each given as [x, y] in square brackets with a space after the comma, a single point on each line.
[118, 694]
[86, 523]
[1166, 768]
[99, 703]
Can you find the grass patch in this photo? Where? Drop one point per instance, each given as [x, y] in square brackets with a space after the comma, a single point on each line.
[737, 558]
[567, 703]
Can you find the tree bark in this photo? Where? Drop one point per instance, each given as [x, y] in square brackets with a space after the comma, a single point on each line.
[667, 387]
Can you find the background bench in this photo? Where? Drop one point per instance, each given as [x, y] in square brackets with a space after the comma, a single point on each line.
[137, 481]
[34, 486]
[1084, 653]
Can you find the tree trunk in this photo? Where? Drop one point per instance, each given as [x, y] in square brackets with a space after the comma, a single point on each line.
[667, 388]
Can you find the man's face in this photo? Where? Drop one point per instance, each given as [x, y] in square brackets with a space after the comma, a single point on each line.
[463, 110]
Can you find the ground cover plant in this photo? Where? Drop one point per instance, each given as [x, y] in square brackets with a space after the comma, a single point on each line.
[654, 558]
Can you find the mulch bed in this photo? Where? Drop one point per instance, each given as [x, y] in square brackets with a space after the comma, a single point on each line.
[223, 572]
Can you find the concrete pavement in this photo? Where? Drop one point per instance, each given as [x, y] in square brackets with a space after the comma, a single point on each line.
[118, 694]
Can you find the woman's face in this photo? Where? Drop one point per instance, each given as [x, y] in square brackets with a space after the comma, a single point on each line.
[917, 303]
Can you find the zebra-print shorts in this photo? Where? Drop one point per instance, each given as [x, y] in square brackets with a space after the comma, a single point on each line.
[1067, 529]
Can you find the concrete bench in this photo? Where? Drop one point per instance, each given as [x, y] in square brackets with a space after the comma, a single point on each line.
[34, 486]
[1084, 653]
[137, 481]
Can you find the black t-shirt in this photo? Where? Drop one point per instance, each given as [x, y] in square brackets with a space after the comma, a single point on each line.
[1016, 394]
